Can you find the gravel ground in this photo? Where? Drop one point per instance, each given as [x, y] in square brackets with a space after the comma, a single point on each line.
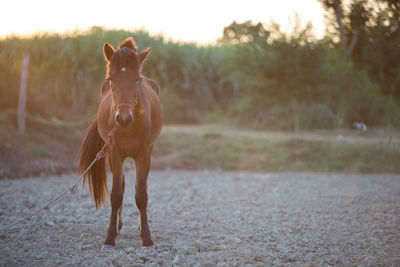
[213, 218]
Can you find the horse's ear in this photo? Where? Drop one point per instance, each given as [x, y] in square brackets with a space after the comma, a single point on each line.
[108, 51]
[142, 56]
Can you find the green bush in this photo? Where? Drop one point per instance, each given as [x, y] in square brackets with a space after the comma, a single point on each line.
[257, 77]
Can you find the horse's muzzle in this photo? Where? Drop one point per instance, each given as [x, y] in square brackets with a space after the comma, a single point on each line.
[124, 118]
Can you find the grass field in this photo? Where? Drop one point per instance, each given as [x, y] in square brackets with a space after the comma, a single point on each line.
[232, 149]
[51, 146]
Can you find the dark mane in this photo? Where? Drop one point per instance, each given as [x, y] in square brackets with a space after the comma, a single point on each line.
[129, 43]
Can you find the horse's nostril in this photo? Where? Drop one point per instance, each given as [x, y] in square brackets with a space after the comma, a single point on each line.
[124, 120]
[118, 117]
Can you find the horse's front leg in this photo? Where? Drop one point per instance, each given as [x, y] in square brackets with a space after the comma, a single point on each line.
[142, 163]
[116, 196]
[120, 223]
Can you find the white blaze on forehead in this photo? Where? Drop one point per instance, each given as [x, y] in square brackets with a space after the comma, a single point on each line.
[123, 69]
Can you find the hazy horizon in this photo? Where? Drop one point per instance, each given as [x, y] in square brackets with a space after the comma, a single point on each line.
[189, 21]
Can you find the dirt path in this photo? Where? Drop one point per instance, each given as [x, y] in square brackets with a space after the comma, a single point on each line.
[212, 219]
[350, 136]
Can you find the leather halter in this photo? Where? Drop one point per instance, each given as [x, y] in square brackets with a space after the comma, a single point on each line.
[132, 107]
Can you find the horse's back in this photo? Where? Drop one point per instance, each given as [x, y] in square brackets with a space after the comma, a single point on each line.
[156, 110]
[103, 112]
[152, 83]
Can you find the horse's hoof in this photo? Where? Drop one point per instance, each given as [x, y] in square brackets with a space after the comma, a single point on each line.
[106, 247]
[147, 243]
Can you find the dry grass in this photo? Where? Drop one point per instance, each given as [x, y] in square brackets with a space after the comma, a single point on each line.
[51, 146]
[231, 149]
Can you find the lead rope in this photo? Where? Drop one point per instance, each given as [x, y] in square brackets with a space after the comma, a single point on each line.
[72, 188]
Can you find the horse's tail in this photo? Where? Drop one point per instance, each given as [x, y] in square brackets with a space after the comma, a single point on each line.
[96, 176]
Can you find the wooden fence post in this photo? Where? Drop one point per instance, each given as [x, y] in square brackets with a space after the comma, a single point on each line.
[80, 98]
[22, 94]
[296, 128]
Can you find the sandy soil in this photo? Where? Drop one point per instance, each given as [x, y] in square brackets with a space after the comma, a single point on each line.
[214, 218]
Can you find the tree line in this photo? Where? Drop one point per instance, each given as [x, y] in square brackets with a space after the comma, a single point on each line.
[255, 76]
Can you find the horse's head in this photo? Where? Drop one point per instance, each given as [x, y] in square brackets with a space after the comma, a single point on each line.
[124, 66]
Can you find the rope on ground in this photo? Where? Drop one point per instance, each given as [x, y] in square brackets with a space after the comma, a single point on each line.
[72, 189]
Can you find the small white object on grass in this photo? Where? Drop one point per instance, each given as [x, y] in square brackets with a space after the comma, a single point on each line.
[360, 125]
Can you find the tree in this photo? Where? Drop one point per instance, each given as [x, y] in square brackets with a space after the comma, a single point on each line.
[349, 24]
[245, 32]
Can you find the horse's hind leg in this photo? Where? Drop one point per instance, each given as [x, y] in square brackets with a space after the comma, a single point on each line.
[142, 170]
[116, 196]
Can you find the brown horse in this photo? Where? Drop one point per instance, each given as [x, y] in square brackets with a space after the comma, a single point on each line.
[130, 101]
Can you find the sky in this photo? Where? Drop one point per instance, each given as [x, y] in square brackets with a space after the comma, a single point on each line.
[179, 20]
